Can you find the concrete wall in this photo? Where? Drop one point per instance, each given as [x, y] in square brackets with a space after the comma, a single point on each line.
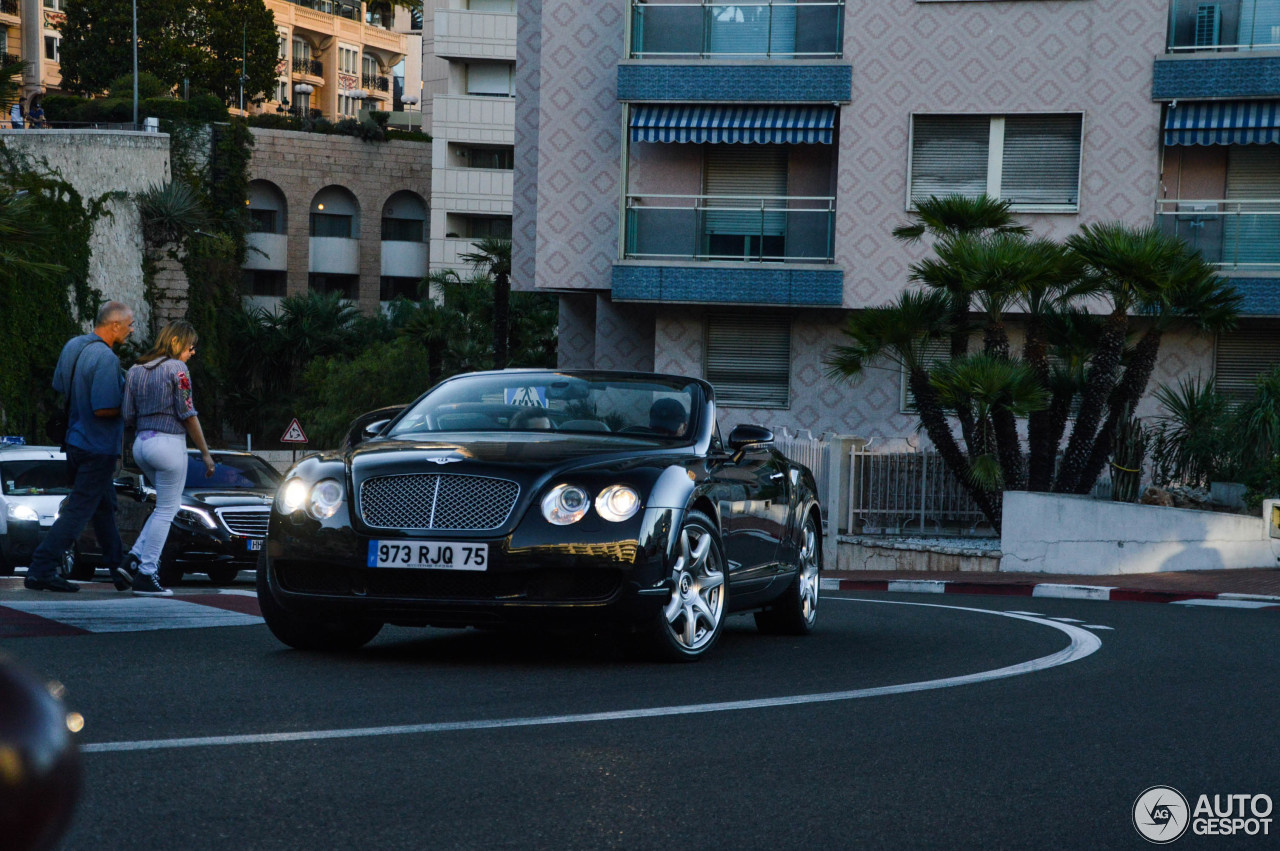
[1053, 533]
[301, 164]
[97, 162]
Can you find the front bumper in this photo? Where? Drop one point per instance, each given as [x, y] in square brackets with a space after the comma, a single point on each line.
[607, 576]
[20, 542]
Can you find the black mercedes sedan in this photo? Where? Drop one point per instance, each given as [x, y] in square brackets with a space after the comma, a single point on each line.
[569, 499]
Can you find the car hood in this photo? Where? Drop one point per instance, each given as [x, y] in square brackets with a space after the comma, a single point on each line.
[240, 497]
[45, 505]
[523, 450]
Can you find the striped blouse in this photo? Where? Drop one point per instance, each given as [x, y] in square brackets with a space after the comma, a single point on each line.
[157, 396]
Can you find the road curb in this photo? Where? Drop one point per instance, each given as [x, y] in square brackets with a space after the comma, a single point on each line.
[1053, 589]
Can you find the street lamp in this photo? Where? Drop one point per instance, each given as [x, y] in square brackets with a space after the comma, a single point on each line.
[410, 101]
[302, 97]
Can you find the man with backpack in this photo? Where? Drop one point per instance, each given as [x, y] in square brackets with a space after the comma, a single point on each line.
[89, 376]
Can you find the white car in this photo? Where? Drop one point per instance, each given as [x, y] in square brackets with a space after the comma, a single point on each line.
[33, 483]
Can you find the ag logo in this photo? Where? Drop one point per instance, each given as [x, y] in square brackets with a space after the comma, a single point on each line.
[1161, 814]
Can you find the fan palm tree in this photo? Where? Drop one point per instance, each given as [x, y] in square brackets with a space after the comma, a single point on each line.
[492, 255]
[901, 334]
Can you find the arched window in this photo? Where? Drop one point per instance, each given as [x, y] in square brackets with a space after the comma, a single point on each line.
[268, 210]
[335, 213]
[404, 218]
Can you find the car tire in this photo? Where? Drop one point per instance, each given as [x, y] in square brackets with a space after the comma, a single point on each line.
[305, 634]
[693, 617]
[222, 575]
[74, 566]
[795, 612]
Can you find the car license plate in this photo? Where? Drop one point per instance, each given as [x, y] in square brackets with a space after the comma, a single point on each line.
[255, 544]
[429, 555]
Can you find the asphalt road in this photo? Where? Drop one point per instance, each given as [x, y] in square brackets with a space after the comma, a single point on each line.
[1055, 757]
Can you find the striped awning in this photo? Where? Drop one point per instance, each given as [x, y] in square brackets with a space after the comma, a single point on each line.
[1238, 122]
[742, 124]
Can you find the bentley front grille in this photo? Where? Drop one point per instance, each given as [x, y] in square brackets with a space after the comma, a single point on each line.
[251, 523]
[431, 501]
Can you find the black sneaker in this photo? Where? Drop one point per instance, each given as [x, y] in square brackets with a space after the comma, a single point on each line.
[147, 585]
[123, 573]
[53, 583]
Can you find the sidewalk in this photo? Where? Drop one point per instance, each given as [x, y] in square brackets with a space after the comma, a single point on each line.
[1258, 584]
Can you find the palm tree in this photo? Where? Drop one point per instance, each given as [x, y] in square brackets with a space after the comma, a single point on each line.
[1128, 267]
[901, 333]
[493, 255]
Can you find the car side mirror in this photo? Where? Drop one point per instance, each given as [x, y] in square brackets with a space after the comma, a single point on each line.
[130, 486]
[374, 429]
[746, 435]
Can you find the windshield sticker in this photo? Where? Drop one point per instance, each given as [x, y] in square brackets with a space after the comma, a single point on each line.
[531, 397]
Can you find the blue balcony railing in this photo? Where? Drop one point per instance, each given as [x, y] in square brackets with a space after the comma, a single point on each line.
[1234, 235]
[759, 29]
[1224, 25]
[730, 228]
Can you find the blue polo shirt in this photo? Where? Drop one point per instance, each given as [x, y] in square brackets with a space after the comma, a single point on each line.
[99, 384]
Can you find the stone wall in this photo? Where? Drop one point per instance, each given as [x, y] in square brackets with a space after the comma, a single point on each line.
[98, 162]
[301, 164]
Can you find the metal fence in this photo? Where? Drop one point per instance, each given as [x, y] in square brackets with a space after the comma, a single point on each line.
[901, 491]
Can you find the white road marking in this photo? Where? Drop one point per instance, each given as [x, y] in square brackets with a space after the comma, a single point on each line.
[239, 592]
[1032, 614]
[918, 586]
[1067, 620]
[1082, 644]
[133, 614]
[1072, 592]
[1096, 626]
[1228, 604]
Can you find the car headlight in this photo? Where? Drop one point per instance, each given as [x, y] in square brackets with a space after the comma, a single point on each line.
[23, 512]
[195, 517]
[292, 496]
[325, 499]
[617, 503]
[565, 504]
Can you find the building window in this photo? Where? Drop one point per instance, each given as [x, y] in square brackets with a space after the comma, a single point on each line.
[492, 158]
[331, 225]
[347, 285]
[264, 221]
[348, 60]
[56, 5]
[51, 44]
[741, 229]
[401, 230]
[1242, 355]
[282, 91]
[301, 50]
[263, 282]
[748, 360]
[1033, 161]
[348, 106]
[392, 287]
[935, 352]
[490, 79]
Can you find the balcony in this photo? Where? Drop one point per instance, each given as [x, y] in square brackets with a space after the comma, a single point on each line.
[348, 9]
[1241, 236]
[309, 67]
[730, 228]
[9, 7]
[376, 83]
[472, 190]
[474, 118]
[1225, 26]
[754, 30]
[462, 34]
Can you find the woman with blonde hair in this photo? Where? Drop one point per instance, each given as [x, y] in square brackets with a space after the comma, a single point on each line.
[158, 405]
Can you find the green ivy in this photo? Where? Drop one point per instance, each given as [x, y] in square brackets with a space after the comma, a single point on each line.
[37, 317]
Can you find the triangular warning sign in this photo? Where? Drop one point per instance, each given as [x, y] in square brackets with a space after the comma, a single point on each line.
[294, 434]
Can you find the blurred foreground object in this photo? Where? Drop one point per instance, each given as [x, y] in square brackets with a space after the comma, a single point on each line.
[39, 762]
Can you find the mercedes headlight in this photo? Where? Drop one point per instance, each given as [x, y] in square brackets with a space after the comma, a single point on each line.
[23, 512]
[565, 504]
[617, 503]
[195, 517]
[325, 499]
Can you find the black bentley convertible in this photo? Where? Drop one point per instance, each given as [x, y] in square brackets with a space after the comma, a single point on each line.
[593, 500]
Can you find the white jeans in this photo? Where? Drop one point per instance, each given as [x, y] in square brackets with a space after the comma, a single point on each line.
[163, 457]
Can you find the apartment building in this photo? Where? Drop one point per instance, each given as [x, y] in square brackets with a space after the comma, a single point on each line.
[341, 57]
[469, 106]
[711, 187]
[29, 32]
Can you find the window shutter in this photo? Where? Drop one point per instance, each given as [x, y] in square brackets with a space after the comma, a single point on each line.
[1253, 174]
[754, 171]
[488, 78]
[935, 352]
[949, 155]
[748, 360]
[1242, 355]
[1042, 160]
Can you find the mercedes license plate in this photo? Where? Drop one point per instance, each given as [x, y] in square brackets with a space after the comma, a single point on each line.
[430, 555]
[255, 544]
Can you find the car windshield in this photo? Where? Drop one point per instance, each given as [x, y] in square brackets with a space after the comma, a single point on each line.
[232, 472]
[654, 406]
[35, 477]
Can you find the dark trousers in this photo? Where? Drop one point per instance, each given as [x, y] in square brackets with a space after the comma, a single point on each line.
[92, 498]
